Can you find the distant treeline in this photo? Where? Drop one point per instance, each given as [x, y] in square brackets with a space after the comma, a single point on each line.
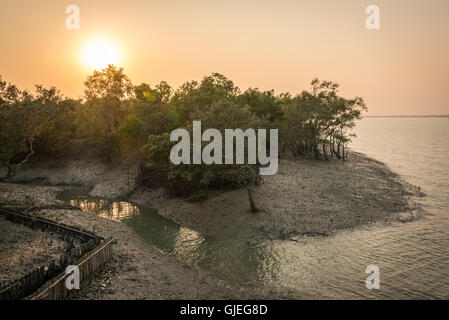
[131, 124]
[412, 116]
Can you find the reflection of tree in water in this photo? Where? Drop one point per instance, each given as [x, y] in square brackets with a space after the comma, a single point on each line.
[186, 244]
[115, 210]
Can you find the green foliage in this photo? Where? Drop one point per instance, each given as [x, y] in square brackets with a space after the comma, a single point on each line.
[224, 115]
[161, 94]
[12, 133]
[192, 96]
[264, 105]
[132, 124]
[319, 117]
[110, 83]
[131, 136]
[107, 93]
[32, 123]
[157, 151]
[58, 128]
[181, 179]
[152, 106]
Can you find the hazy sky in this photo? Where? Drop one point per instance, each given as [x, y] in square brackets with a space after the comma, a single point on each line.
[403, 68]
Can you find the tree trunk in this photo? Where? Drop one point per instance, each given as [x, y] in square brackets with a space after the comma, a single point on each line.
[8, 174]
[283, 150]
[292, 149]
[30, 141]
[332, 147]
[252, 203]
[127, 172]
[324, 151]
[316, 152]
[13, 168]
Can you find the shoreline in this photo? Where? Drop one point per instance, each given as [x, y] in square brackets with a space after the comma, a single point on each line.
[305, 198]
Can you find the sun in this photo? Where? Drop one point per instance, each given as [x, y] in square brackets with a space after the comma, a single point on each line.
[99, 54]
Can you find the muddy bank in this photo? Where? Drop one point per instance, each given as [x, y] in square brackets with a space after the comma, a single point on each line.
[105, 180]
[305, 198]
[23, 249]
[138, 270]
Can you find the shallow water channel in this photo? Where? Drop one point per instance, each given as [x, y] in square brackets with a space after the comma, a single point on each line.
[239, 263]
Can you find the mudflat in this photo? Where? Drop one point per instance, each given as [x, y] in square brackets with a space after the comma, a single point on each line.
[23, 249]
[305, 198]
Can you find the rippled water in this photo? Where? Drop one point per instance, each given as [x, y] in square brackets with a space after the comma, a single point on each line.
[413, 257]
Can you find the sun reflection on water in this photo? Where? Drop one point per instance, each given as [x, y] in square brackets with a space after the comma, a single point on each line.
[116, 210]
[187, 243]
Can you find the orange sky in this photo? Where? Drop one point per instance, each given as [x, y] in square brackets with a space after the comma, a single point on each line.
[402, 68]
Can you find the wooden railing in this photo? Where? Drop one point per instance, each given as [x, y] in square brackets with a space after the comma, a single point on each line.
[48, 281]
[57, 289]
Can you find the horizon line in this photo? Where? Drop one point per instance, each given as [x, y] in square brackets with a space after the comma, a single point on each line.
[409, 116]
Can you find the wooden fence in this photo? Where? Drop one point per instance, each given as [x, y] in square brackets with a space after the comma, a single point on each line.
[48, 281]
[57, 289]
